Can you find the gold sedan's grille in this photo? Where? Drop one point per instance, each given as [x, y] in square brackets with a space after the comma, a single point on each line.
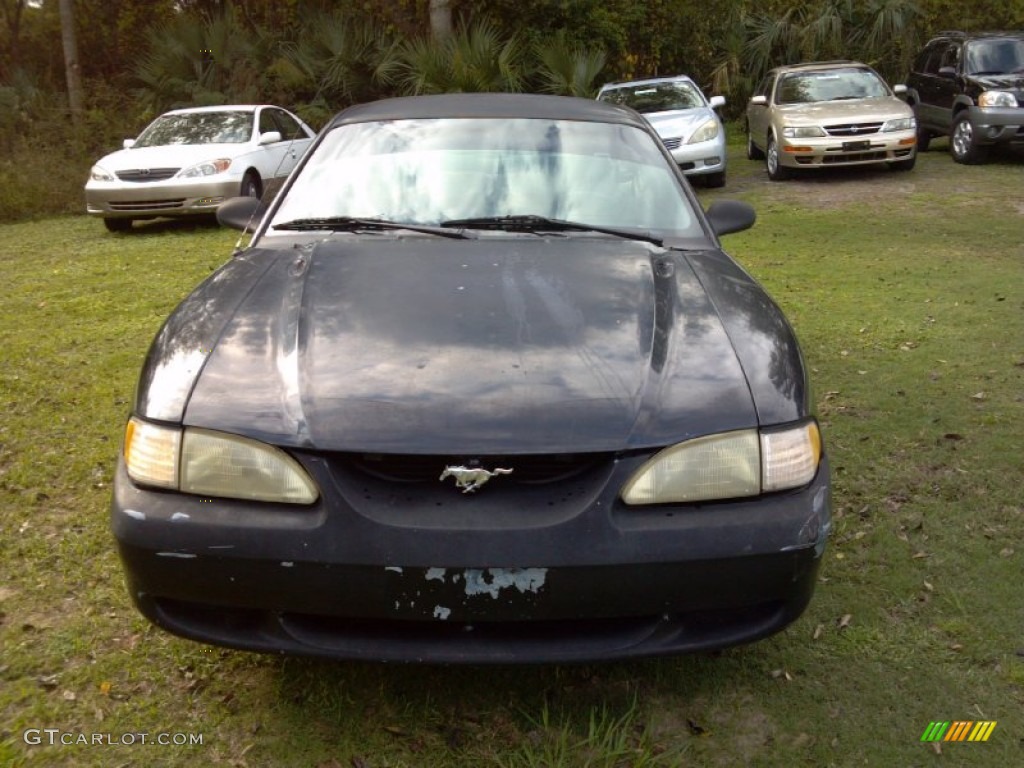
[853, 129]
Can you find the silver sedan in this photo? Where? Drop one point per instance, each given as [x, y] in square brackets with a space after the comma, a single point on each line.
[188, 161]
[684, 119]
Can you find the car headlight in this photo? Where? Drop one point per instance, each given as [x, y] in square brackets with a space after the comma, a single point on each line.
[707, 131]
[207, 168]
[899, 124]
[100, 174]
[727, 466]
[208, 463]
[803, 132]
[997, 99]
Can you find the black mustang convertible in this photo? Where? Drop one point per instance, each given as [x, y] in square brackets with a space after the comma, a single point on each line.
[483, 388]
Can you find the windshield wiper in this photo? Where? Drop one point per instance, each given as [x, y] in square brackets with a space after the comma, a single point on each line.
[354, 223]
[532, 223]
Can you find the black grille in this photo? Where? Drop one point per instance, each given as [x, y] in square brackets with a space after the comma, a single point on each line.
[411, 468]
[147, 205]
[853, 129]
[147, 174]
[859, 157]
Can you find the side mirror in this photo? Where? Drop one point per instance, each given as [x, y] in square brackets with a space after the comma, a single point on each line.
[128, 143]
[899, 90]
[728, 216]
[270, 137]
[716, 102]
[759, 101]
[947, 72]
[242, 213]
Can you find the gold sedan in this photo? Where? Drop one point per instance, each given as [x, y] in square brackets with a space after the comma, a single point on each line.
[826, 114]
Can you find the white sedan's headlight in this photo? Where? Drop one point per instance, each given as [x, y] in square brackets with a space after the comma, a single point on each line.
[997, 99]
[207, 168]
[727, 466]
[208, 463]
[803, 132]
[707, 131]
[899, 124]
[100, 174]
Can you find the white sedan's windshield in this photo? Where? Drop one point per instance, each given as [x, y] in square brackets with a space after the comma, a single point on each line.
[428, 171]
[198, 128]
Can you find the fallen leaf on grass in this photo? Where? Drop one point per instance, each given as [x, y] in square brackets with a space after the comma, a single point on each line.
[929, 587]
[696, 729]
[394, 730]
[956, 647]
[69, 695]
[979, 396]
[936, 748]
[919, 556]
[105, 687]
[845, 621]
[818, 631]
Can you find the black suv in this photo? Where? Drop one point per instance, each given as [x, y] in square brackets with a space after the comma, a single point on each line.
[969, 87]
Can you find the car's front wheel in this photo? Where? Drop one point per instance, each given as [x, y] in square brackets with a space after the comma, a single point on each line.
[776, 171]
[117, 225]
[715, 180]
[962, 144]
[251, 185]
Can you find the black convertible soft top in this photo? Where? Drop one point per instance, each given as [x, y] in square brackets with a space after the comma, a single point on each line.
[479, 105]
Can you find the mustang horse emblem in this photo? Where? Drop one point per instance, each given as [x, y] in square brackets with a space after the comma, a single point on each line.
[471, 478]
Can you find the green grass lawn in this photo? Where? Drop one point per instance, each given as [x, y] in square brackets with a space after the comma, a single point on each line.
[907, 291]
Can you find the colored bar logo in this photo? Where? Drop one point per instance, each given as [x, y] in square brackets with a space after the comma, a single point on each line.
[959, 730]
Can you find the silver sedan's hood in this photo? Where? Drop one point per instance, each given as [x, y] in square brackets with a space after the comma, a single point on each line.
[512, 345]
[681, 123]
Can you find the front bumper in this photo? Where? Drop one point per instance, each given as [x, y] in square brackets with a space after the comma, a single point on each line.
[374, 573]
[997, 125]
[864, 150]
[173, 197]
[698, 159]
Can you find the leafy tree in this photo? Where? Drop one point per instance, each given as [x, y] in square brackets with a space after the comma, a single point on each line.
[567, 69]
[474, 58]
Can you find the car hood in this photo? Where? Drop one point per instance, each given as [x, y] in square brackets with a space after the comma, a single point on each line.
[843, 111]
[1013, 82]
[682, 123]
[169, 156]
[498, 345]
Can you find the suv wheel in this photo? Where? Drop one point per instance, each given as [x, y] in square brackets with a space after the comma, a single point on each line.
[962, 144]
[776, 172]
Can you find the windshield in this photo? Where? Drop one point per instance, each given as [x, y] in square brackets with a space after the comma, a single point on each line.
[430, 171]
[656, 97]
[995, 57]
[831, 85]
[198, 128]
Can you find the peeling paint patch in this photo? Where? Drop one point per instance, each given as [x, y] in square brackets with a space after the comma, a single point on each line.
[392, 568]
[179, 516]
[182, 555]
[287, 564]
[493, 580]
[134, 514]
[436, 574]
[442, 613]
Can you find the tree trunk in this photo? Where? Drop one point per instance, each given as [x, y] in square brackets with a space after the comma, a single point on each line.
[440, 19]
[71, 67]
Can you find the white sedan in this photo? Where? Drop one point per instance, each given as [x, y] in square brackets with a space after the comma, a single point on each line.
[188, 161]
